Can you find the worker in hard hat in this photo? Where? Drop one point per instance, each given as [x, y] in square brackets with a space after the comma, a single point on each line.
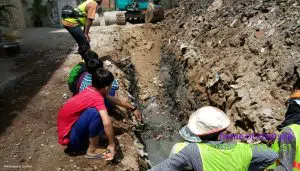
[83, 15]
[203, 150]
[288, 143]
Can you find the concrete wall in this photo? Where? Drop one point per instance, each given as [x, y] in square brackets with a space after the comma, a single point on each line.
[22, 18]
[17, 19]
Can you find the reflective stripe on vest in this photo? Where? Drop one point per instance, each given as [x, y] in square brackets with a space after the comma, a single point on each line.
[178, 147]
[82, 11]
[237, 158]
[296, 163]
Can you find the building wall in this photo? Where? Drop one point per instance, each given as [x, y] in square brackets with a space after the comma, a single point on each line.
[17, 19]
[22, 18]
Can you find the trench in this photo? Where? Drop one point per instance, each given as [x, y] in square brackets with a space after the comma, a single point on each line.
[163, 114]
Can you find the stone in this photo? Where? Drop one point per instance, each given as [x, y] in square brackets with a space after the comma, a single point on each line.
[65, 96]
[234, 22]
[107, 63]
[145, 96]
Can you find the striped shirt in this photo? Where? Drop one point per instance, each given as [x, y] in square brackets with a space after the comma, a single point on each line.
[87, 81]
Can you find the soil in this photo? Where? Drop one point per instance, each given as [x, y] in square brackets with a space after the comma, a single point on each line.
[29, 110]
[241, 56]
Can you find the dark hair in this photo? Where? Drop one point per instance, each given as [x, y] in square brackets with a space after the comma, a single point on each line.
[93, 65]
[102, 78]
[211, 137]
[89, 55]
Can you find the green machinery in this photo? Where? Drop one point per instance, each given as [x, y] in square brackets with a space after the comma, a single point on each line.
[149, 11]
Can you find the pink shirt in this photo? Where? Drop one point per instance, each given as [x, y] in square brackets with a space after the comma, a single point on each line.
[72, 109]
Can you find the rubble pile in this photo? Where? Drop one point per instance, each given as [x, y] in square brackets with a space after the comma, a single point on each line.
[242, 56]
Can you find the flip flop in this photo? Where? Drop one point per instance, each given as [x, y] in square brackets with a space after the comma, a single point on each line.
[97, 156]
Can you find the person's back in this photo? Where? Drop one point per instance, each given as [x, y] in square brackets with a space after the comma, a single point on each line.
[218, 155]
[288, 143]
[207, 153]
[78, 70]
[74, 75]
[72, 109]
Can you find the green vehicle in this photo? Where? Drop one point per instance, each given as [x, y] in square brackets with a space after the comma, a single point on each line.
[148, 11]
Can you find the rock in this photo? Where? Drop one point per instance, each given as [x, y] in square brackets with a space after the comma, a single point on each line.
[271, 32]
[65, 96]
[158, 137]
[259, 34]
[29, 158]
[234, 22]
[145, 96]
[42, 145]
[71, 160]
[107, 63]
[216, 5]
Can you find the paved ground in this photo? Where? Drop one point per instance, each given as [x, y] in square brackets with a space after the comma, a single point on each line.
[34, 43]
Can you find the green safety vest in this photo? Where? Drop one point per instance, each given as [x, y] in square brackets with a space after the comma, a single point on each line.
[296, 163]
[231, 159]
[81, 9]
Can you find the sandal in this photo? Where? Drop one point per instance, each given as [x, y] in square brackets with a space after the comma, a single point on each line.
[96, 156]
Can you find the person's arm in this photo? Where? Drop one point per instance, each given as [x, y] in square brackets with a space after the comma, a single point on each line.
[287, 150]
[188, 157]
[126, 105]
[108, 128]
[91, 10]
[87, 27]
[262, 157]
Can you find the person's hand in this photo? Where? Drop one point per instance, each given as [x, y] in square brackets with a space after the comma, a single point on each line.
[87, 37]
[138, 115]
[109, 156]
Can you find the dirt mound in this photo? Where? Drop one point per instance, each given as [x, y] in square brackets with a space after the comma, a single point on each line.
[239, 55]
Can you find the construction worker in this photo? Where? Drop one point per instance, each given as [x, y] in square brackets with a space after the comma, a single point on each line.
[203, 151]
[288, 143]
[85, 14]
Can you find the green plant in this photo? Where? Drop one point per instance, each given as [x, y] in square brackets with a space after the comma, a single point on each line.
[38, 11]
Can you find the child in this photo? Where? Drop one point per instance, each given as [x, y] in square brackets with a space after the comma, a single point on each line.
[85, 80]
[78, 69]
[83, 118]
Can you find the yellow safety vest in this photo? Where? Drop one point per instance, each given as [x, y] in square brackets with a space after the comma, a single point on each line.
[296, 163]
[82, 11]
[230, 159]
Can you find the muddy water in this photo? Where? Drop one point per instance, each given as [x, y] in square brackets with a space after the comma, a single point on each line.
[161, 112]
[159, 135]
